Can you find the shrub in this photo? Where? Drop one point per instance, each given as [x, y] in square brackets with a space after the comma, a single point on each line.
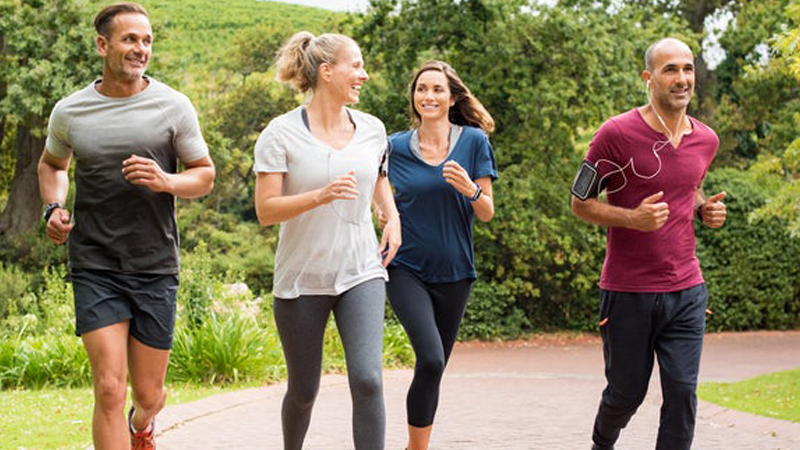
[750, 268]
[13, 286]
[492, 313]
[225, 348]
[40, 361]
[48, 311]
[239, 247]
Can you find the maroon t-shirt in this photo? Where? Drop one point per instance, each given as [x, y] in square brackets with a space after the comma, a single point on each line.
[663, 260]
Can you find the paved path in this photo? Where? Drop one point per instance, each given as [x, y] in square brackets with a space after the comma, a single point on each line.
[540, 394]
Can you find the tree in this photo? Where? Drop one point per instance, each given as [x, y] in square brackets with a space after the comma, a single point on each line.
[47, 54]
[785, 203]
[755, 97]
[243, 105]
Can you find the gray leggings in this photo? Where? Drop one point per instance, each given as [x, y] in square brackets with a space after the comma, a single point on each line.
[301, 326]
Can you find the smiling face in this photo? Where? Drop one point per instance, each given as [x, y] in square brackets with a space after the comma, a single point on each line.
[432, 96]
[347, 75]
[127, 49]
[671, 79]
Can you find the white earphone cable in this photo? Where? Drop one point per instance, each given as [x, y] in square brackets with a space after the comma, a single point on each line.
[656, 148]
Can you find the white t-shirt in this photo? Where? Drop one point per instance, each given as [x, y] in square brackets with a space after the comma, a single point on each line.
[333, 247]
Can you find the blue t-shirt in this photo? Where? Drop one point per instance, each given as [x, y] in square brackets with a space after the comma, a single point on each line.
[436, 219]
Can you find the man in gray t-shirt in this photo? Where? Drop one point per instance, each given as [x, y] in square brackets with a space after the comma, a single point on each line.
[126, 132]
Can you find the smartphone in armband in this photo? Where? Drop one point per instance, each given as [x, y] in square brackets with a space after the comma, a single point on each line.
[586, 183]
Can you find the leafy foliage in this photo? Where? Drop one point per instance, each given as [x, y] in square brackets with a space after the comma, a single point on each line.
[750, 267]
[47, 55]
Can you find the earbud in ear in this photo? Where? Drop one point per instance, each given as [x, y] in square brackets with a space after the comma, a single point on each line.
[648, 83]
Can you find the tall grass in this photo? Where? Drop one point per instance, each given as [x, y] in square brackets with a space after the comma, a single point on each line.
[43, 361]
[225, 349]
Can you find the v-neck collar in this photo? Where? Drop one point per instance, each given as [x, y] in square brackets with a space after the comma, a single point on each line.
[662, 134]
[307, 126]
[455, 134]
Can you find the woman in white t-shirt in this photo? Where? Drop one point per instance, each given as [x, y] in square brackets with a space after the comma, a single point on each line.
[319, 167]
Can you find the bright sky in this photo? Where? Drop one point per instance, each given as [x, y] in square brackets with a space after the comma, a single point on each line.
[336, 5]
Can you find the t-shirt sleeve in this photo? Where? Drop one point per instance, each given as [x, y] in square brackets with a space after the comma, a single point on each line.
[189, 142]
[485, 164]
[601, 149]
[57, 142]
[603, 156]
[269, 152]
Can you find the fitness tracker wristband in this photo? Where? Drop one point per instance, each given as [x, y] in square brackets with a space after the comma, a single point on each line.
[478, 193]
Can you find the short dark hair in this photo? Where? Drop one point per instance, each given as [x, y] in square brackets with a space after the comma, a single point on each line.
[102, 22]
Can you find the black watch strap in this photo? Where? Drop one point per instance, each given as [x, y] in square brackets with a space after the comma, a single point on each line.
[477, 195]
[48, 210]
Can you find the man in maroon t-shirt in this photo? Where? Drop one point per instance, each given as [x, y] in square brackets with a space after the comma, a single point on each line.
[651, 161]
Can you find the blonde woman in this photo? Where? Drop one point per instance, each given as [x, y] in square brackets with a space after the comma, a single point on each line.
[319, 167]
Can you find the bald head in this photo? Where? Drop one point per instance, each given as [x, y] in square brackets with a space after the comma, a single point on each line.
[658, 46]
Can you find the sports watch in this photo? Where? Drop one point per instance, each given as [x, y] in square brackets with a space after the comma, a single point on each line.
[48, 210]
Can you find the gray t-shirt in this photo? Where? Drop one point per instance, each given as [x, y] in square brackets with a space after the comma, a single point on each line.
[333, 247]
[119, 226]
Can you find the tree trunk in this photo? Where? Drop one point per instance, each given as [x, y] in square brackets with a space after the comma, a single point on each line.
[24, 208]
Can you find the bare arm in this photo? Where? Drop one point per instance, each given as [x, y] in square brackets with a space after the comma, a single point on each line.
[196, 180]
[650, 215]
[53, 188]
[391, 238]
[53, 178]
[456, 176]
[484, 205]
[273, 207]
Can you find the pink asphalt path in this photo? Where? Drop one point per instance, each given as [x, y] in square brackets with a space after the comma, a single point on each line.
[539, 394]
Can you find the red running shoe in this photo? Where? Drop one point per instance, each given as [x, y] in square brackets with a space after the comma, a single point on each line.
[142, 440]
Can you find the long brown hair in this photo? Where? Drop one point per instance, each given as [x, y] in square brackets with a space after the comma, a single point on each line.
[466, 110]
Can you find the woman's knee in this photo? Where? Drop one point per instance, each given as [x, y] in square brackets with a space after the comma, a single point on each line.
[430, 366]
[302, 395]
[366, 384]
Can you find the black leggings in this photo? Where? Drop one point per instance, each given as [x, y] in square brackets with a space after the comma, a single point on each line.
[431, 314]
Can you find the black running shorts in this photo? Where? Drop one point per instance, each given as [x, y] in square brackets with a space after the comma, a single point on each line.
[103, 298]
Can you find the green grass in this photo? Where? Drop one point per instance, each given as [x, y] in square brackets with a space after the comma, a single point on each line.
[199, 32]
[776, 395]
[193, 38]
[62, 418]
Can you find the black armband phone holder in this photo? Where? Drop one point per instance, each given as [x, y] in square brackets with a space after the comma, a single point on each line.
[586, 183]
